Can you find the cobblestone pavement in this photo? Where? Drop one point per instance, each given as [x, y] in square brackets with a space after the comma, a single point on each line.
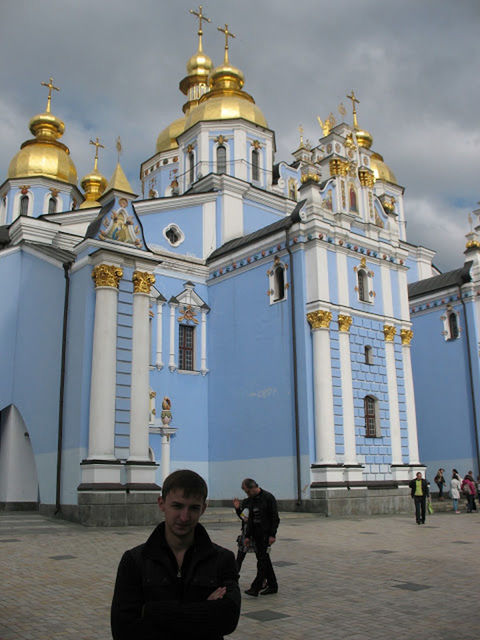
[375, 578]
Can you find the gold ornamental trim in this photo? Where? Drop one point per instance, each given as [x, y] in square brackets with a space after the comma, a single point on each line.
[338, 167]
[472, 244]
[389, 332]
[319, 319]
[344, 322]
[367, 179]
[406, 335]
[107, 275]
[142, 281]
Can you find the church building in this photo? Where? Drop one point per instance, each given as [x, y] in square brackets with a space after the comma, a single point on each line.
[241, 317]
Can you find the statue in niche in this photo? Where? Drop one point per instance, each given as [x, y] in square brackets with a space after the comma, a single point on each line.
[166, 415]
[353, 199]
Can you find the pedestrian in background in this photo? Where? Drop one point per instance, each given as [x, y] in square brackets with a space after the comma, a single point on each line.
[419, 492]
[455, 488]
[470, 491]
[440, 482]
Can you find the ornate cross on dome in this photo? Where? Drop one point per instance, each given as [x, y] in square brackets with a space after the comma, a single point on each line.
[97, 145]
[51, 87]
[228, 34]
[354, 100]
[119, 147]
[200, 16]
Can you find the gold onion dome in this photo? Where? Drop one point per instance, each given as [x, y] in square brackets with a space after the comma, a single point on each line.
[167, 139]
[380, 169]
[93, 183]
[44, 155]
[226, 99]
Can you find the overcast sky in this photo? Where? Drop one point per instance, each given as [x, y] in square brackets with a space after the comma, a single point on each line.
[414, 65]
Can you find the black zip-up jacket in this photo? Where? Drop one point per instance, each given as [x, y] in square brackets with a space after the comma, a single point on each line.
[413, 485]
[154, 600]
[265, 505]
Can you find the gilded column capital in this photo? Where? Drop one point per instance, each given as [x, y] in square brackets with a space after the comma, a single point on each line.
[107, 275]
[344, 322]
[338, 167]
[389, 332]
[319, 319]
[406, 335]
[367, 179]
[142, 281]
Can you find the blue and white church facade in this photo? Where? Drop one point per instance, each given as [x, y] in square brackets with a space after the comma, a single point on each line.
[241, 318]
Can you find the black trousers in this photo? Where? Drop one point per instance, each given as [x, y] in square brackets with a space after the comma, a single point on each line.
[419, 508]
[264, 565]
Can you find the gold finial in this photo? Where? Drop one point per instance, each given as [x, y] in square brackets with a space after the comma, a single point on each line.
[119, 147]
[51, 87]
[96, 144]
[341, 109]
[300, 128]
[228, 34]
[354, 100]
[200, 16]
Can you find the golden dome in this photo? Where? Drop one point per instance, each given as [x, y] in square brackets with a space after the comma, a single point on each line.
[167, 139]
[93, 183]
[381, 171]
[364, 138]
[44, 155]
[199, 64]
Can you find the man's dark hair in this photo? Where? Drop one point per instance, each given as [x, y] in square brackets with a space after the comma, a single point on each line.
[187, 481]
[249, 483]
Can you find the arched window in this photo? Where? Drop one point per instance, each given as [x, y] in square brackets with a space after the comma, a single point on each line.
[191, 167]
[255, 165]
[362, 285]
[24, 206]
[279, 284]
[52, 205]
[371, 417]
[453, 326]
[221, 159]
[368, 355]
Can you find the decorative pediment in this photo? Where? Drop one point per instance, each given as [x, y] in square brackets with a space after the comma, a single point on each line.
[189, 297]
[117, 222]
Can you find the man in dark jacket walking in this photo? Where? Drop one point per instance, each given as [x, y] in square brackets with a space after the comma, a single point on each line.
[262, 528]
[179, 584]
[419, 492]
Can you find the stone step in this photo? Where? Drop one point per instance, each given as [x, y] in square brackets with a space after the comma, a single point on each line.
[227, 514]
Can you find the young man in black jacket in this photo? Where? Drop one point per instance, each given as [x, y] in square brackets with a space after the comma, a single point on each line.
[179, 584]
[420, 492]
[262, 528]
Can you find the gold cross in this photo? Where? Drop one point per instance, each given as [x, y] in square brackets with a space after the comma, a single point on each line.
[51, 87]
[97, 145]
[227, 35]
[300, 128]
[118, 144]
[200, 16]
[354, 100]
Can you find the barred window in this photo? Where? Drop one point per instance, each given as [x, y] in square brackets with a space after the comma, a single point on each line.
[371, 418]
[185, 347]
[52, 205]
[362, 285]
[255, 165]
[221, 159]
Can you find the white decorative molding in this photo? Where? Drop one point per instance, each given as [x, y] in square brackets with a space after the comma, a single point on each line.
[158, 350]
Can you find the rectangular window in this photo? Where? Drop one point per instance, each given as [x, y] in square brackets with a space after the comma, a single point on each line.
[185, 347]
[370, 417]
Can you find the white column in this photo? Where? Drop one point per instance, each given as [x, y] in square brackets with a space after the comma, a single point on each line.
[140, 389]
[389, 333]
[386, 291]
[322, 387]
[101, 465]
[171, 362]
[159, 353]
[165, 464]
[344, 323]
[101, 441]
[203, 345]
[406, 336]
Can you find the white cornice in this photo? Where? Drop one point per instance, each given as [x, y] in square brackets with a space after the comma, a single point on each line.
[78, 216]
[126, 251]
[155, 205]
[33, 230]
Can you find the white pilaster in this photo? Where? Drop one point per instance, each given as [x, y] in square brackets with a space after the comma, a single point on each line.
[101, 436]
[171, 361]
[159, 350]
[386, 291]
[140, 389]
[406, 335]
[203, 346]
[342, 274]
[316, 266]
[322, 387]
[344, 322]
[389, 332]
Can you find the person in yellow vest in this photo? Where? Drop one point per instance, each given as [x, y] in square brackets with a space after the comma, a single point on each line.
[419, 492]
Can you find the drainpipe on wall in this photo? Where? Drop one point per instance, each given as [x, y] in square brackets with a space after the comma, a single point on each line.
[66, 270]
[295, 368]
[472, 386]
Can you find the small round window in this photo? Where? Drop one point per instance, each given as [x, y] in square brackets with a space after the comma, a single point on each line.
[174, 235]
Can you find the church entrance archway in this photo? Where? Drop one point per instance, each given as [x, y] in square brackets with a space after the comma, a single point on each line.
[18, 471]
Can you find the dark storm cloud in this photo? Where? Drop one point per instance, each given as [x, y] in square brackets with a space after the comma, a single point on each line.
[413, 65]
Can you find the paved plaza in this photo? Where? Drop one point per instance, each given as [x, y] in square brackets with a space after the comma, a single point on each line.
[375, 578]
